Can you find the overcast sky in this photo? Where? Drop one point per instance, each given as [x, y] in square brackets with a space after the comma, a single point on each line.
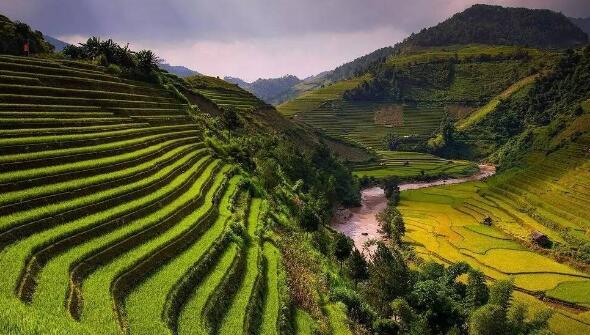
[252, 38]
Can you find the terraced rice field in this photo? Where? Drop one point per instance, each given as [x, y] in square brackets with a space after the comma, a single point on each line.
[445, 224]
[413, 164]
[239, 100]
[115, 217]
[356, 121]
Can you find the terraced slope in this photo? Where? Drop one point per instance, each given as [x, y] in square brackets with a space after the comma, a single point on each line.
[413, 164]
[426, 84]
[549, 195]
[114, 216]
[224, 94]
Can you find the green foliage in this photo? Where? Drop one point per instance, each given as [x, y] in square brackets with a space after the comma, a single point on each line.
[357, 309]
[342, 247]
[500, 316]
[139, 65]
[391, 223]
[477, 293]
[389, 278]
[358, 267]
[13, 36]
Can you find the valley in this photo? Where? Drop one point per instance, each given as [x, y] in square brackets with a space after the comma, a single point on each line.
[437, 186]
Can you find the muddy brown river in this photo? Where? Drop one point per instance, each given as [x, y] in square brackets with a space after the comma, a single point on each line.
[360, 223]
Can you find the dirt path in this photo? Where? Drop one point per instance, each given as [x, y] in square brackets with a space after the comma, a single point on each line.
[360, 223]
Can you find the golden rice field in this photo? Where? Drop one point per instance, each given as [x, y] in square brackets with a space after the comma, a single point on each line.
[445, 224]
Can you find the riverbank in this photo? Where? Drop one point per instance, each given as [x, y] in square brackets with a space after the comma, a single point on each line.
[360, 223]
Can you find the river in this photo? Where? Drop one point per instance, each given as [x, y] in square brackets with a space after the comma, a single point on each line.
[360, 223]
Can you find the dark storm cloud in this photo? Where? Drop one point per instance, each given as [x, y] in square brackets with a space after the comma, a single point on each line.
[252, 38]
[234, 19]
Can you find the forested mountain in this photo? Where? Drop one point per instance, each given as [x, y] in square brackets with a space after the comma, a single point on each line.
[272, 90]
[582, 23]
[486, 24]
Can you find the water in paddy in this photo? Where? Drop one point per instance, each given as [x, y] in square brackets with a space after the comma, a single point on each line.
[360, 223]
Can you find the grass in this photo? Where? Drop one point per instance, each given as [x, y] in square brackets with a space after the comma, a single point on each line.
[105, 181]
[146, 303]
[410, 165]
[235, 318]
[313, 99]
[17, 318]
[77, 185]
[16, 254]
[270, 314]
[481, 113]
[95, 149]
[92, 136]
[14, 219]
[336, 313]
[96, 289]
[575, 291]
[27, 174]
[304, 323]
[192, 318]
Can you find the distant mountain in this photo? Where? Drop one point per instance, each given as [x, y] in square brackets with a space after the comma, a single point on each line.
[582, 23]
[496, 25]
[59, 45]
[272, 91]
[178, 70]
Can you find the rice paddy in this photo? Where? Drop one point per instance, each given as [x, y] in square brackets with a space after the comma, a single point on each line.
[115, 217]
[413, 164]
[548, 196]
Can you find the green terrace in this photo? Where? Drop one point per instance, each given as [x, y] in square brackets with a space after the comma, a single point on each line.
[104, 181]
[409, 165]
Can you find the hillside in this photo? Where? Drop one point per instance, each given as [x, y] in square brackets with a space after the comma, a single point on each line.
[498, 25]
[540, 138]
[128, 206]
[403, 101]
[582, 23]
[14, 34]
[272, 91]
[181, 71]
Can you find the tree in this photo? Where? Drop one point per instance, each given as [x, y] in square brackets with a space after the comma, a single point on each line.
[500, 316]
[342, 248]
[308, 218]
[488, 320]
[392, 224]
[391, 188]
[147, 61]
[230, 119]
[389, 277]
[357, 266]
[477, 292]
